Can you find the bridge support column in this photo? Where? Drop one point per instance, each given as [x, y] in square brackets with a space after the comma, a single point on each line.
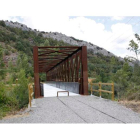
[84, 71]
[36, 73]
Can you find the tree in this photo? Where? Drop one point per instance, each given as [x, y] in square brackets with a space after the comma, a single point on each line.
[2, 71]
[122, 79]
[136, 74]
[46, 43]
[10, 66]
[2, 23]
[19, 46]
[20, 91]
[112, 63]
[136, 68]
[134, 47]
[23, 63]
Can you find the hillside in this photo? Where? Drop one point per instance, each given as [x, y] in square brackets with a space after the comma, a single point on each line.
[61, 37]
[16, 37]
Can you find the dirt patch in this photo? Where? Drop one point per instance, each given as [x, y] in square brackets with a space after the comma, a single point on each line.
[135, 106]
[22, 113]
[16, 116]
[12, 57]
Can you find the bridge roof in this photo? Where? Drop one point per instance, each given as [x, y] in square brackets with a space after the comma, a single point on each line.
[50, 57]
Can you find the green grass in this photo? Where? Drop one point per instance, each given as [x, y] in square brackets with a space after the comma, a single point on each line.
[4, 109]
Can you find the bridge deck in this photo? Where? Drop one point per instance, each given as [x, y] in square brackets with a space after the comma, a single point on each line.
[50, 91]
[76, 109]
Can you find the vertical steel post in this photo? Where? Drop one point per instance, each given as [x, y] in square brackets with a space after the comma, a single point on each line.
[36, 72]
[84, 71]
[68, 70]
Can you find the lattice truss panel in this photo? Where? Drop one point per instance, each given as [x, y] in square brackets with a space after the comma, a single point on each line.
[64, 63]
[68, 71]
[60, 63]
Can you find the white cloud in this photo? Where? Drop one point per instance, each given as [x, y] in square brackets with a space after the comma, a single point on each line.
[117, 18]
[121, 34]
[85, 29]
[5, 17]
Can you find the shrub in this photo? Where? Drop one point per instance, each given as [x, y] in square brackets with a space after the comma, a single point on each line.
[7, 102]
[21, 90]
[2, 23]
[19, 46]
[6, 52]
[13, 50]
[2, 74]
[12, 37]
[2, 90]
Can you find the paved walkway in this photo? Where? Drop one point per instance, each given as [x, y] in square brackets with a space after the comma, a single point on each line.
[50, 91]
[77, 109]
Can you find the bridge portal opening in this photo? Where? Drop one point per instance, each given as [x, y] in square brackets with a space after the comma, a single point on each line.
[64, 65]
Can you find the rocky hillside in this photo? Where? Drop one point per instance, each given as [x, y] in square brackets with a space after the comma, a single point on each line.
[17, 38]
[59, 36]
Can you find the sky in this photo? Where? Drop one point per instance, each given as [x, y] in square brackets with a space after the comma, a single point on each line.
[112, 33]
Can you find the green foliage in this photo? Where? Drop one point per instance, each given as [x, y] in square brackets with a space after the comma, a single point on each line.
[46, 43]
[42, 77]
[2, 74]
[102, 67]
[23, 46]
[6, 52]
[14, 97]
[2, 71]
[125, 77]
[136, 74]
[7, 37]
[21, 90]
[7, 102]
[13, 50]
[23, 63]
[134, 46]
[2, 23]
[2, 91]
[13, 78]
[121, 78]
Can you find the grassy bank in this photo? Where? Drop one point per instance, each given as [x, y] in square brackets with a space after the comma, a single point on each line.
[14, 97]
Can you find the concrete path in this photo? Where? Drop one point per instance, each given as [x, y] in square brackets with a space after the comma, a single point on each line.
[77, 109]
[50, 91]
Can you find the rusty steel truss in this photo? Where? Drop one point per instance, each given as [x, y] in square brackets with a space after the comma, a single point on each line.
[65, 64]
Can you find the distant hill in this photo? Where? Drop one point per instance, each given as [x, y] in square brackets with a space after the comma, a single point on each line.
[59, 36]
[16, 37]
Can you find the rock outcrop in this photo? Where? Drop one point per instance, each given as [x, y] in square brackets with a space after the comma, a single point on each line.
[70, 40]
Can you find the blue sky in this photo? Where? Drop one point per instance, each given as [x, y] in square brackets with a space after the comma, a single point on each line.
[108, 21]
[110, 32]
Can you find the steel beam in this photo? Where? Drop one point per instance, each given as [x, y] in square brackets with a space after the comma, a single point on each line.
[59, 47]
[36, 72]
[84, 71]
[66, 58]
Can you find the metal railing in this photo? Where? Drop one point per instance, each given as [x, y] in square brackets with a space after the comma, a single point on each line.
[62, 91]
[31, 93]
[100, 90]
